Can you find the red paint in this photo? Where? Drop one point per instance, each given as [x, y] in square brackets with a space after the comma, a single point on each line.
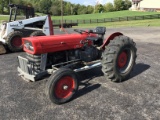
[64, 87]
[50, 25]
[122, 59]
[54, 43]
[17, 41]
[111, 37]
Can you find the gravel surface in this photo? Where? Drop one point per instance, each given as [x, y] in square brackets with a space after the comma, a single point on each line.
[137, 98]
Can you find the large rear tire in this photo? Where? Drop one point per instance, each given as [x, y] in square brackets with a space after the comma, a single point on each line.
[62, 86]
[37, 33]
[14, 41]
[118, 58]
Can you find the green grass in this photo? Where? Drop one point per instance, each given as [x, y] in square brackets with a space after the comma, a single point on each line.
[104, 15]
[97, 15]
[149, 22]
[4, 18]
[141, 23]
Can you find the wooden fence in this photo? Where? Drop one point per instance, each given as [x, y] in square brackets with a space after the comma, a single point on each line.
[117, 19]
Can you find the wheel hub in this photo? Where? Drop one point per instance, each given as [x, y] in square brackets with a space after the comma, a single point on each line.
[65, 87]
[17, 42]
[122, 59]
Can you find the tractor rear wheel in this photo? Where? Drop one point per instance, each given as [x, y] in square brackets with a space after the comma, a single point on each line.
[37, 33]
[118, 58]
[14, 41]
[62, 86]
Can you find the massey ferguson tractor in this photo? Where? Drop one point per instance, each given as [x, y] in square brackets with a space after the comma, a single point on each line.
[63, 56]
[12, 31]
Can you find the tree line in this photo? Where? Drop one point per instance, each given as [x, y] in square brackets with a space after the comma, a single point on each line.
[54, 6]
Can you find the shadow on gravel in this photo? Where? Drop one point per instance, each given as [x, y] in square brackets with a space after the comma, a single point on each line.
[86, 89]
[138, 69]
[84, 78]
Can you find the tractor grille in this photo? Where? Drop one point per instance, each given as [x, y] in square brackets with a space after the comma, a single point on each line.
[29, 66]
[32, 64]
[23, 62]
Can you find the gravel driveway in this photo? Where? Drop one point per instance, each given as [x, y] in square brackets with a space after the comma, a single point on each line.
[137, 98]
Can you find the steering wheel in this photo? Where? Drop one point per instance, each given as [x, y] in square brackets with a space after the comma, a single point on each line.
[80, 31]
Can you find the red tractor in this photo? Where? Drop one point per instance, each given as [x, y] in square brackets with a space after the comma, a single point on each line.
[62, 56]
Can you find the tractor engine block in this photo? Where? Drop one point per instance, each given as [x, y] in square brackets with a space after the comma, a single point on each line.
[87, 54]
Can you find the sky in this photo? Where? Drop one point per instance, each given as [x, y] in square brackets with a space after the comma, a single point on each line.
[89, 2]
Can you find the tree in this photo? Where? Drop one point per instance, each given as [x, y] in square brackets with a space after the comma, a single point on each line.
[75, 9]
[99, 8]
[118, 5]
[68, 8]
[90, 9]
[122, 4]
[109, 7]
[1, 7]
[54, 10]
[127, 4]
[44, 6]
[82, 10]
[4, 8]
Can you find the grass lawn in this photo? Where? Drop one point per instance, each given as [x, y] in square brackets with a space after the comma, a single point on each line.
[4, 18]
[104, 15]
[149, 22]
[145, 23]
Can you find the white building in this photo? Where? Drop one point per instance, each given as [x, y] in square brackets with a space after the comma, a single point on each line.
[135, 5]
[146, 5]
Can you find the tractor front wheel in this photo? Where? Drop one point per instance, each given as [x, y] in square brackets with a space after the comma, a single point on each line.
[118, 58]
[62, 86]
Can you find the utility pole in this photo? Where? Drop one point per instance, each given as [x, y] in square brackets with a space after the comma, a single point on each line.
[61, 14]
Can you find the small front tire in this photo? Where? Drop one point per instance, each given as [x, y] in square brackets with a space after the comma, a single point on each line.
[62, 86]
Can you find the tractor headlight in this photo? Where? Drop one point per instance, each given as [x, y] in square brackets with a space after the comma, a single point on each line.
[28, 45]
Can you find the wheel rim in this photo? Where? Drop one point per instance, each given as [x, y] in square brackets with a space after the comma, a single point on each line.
[17, 41]
[122, 59]
[64, 87]
[125, 60]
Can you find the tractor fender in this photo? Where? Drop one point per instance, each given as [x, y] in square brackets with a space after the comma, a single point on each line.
[111, 37]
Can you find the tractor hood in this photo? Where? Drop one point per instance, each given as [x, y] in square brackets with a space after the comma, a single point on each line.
[54, 43]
